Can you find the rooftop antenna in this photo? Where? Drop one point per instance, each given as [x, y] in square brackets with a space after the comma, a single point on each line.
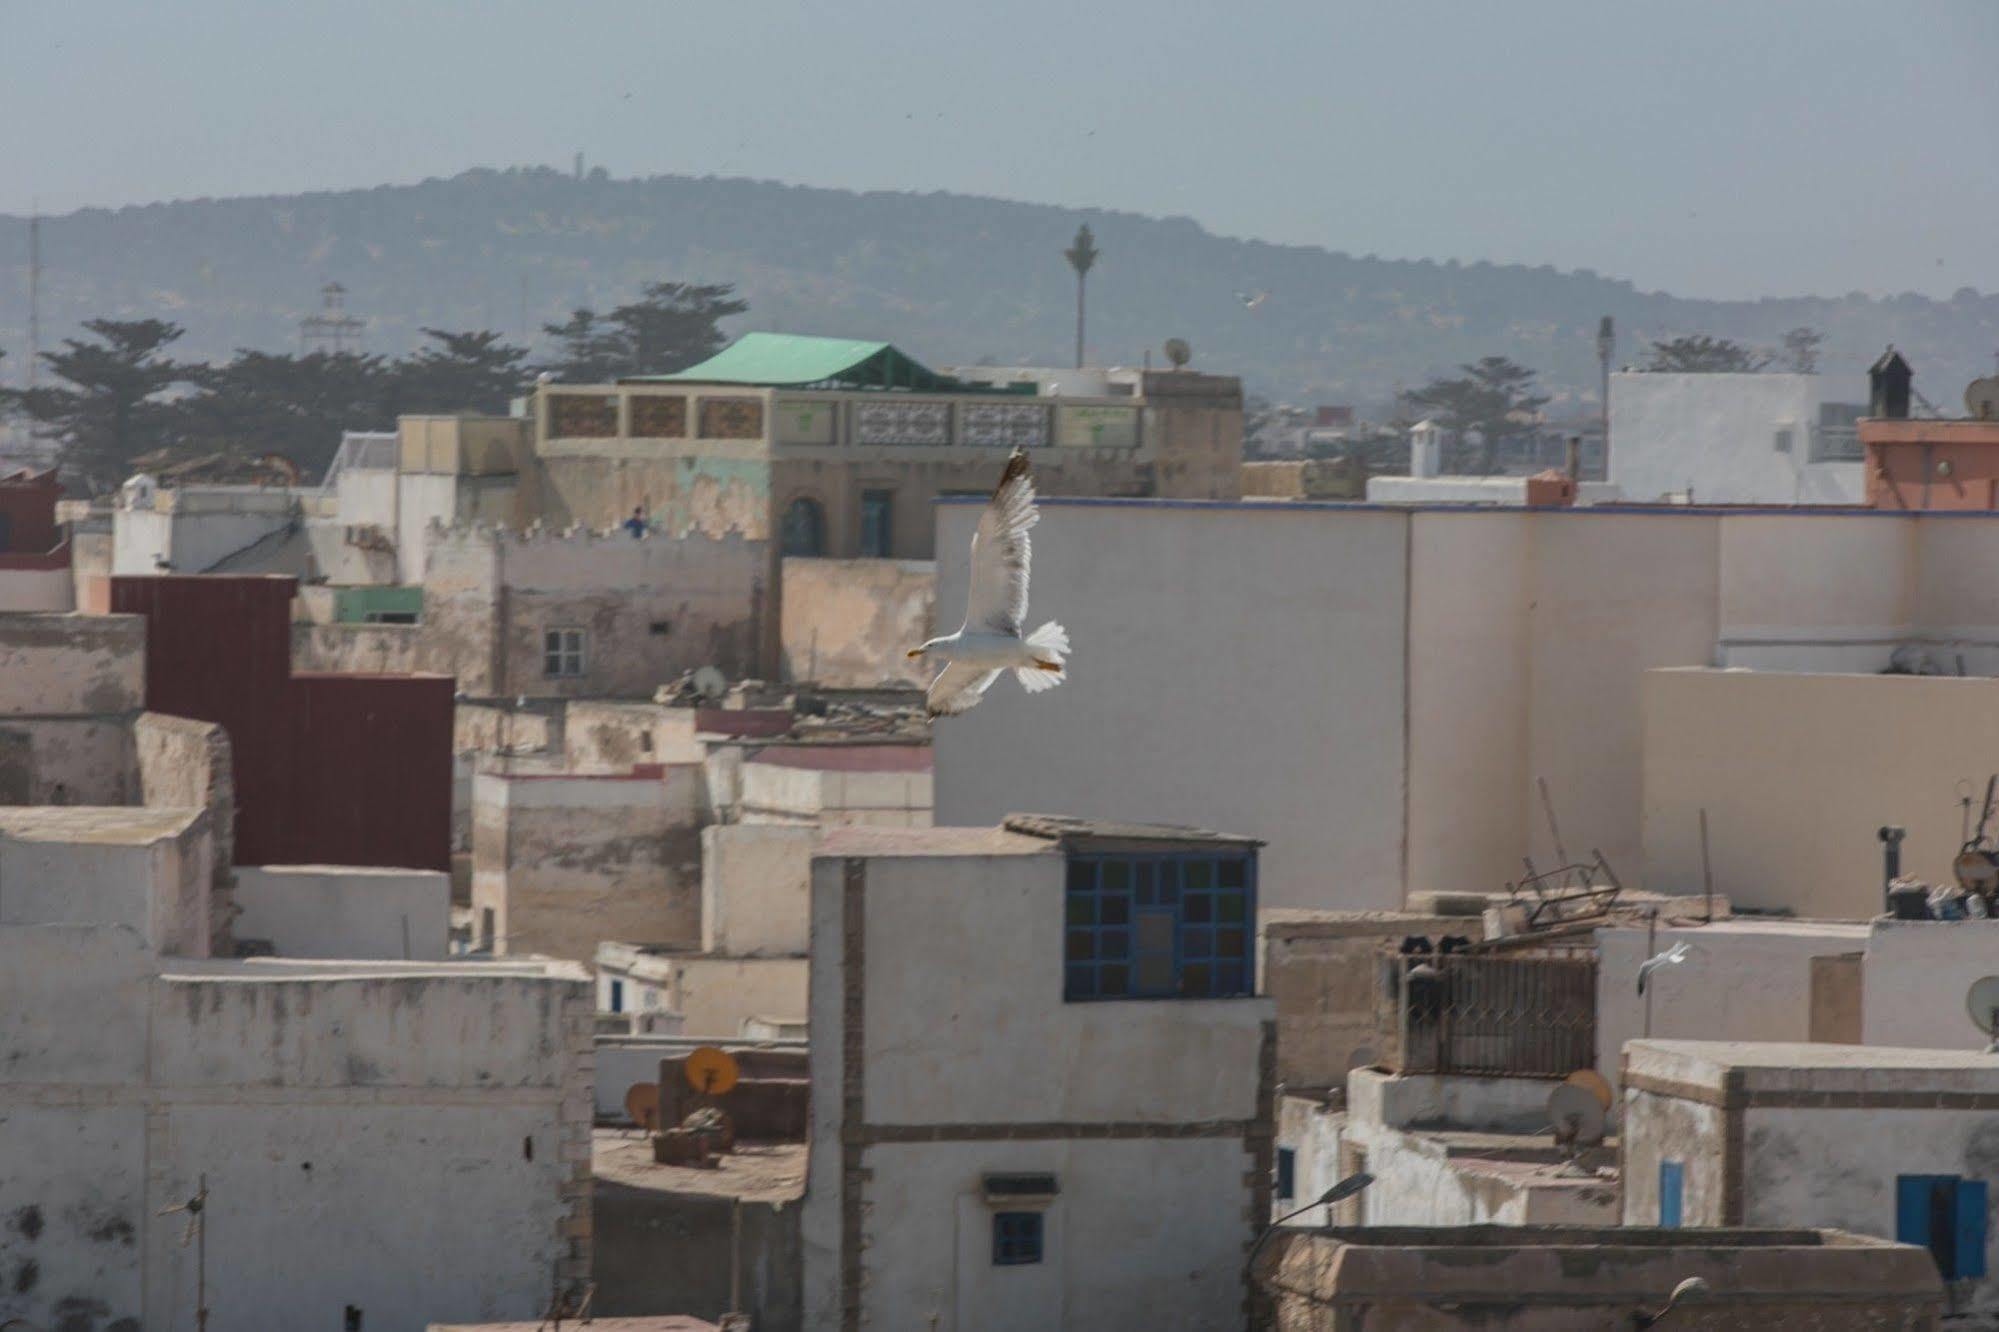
[34, 292]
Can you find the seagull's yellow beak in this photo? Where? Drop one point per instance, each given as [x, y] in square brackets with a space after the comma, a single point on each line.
[914, 653]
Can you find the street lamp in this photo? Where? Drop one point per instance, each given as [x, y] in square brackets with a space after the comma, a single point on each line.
[1081, 256]
[1691, 1291]
[1340, 1192]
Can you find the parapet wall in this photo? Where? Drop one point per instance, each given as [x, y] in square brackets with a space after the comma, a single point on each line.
[185, 764]
[849, 624]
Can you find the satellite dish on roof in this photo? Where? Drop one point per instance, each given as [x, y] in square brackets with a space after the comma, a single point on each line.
[1981, 399]
[1178, 353]
[1361, 1057]
[1592, 1082]
[1576, 1116]
[710, 683]
[710, 1071]
[1982, 1002]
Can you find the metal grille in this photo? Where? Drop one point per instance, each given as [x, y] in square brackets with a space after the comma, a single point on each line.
[1532, 1016]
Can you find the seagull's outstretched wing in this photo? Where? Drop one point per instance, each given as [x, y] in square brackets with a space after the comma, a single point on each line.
[957, 688]
[997, 601]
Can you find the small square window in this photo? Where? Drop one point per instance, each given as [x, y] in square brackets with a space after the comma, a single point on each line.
[562, 653]
[1016, 1238]
[1782, 440]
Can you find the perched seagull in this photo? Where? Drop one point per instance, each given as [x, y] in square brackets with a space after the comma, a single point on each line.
[995, 607]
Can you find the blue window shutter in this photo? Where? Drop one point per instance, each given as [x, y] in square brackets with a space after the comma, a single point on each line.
[1672, 1192]
[617, 996]
[1970, 1228]
[1912, 1209]
[1287, 1165]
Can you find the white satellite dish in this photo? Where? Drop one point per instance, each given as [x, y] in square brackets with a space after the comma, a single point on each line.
[1576, 1116]
[1361, 1057]
[1981, 398]
[710, 683]
[1982, 1002]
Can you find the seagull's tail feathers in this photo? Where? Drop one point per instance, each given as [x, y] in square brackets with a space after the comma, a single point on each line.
[1050, 645]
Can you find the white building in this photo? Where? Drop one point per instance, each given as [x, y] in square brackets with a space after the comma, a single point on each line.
[1730, 439]
[1378, 693]
[1005, 1132]
[1890, 1141]
[381, 1143]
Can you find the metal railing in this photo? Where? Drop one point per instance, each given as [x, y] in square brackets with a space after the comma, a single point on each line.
[1519, 1016]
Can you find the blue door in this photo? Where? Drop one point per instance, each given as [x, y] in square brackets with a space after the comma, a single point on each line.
[1672, 1192]
[1946, 1215]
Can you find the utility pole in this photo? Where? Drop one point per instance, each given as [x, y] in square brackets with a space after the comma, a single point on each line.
[1081, 255]
[34, 294]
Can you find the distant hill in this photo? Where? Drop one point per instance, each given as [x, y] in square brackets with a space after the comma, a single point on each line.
[951, 278]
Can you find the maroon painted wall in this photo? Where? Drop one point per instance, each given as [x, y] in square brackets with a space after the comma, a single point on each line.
[329, 769]
[28, 513]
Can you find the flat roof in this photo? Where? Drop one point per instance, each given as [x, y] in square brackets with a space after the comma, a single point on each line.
[102, 825]
[1811, 1066]
[1763, 927]
[277, 970]
[753, 1172]
[1293, 506]
[904, 756]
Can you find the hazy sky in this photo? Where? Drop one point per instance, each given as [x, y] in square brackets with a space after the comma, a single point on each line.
[1708, 147]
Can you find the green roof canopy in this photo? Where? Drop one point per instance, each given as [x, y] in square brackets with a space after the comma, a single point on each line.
[788, 360]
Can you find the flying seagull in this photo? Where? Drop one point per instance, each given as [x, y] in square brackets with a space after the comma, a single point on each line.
[996, 607]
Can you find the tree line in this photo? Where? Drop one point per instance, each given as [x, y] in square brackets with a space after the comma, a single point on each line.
[122, 403]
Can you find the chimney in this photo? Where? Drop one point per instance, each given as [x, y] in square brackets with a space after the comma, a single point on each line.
[1889, 381]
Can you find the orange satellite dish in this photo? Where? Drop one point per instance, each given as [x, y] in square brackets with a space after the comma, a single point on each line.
[1592, 1082]
[710, 1071]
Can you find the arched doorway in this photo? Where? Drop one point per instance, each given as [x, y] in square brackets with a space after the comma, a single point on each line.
[803, 531]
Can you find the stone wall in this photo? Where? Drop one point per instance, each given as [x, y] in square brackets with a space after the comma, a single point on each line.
[849, 624]
[185, 764]
[567, 862]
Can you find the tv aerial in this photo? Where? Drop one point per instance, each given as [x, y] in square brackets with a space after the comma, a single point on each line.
[1982, 1002]
[1577, 1118]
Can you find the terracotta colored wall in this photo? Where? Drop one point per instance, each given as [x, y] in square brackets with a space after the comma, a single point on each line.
[346, 770]
[1924, 464]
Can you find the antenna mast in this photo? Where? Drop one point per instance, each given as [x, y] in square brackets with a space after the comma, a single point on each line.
[34, 293]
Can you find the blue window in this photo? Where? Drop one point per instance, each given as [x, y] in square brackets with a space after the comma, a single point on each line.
[1672, 1192]
[1287, 1173]
[617, 996]
[1161, 926]
[1016, 1238]
[877, 524]
[1946, 1215]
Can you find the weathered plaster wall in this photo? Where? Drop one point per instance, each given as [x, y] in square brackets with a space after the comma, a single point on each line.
[1319, 970]
[611, 737]
[66, 665]
[346, 911]
[185, 764]
[788, 792]
[1448, 1101]
[65, 760]
[24, 588]
[651, 608]
[305, 1097]
[566, 862]
[1656, 1128]
[1419, 1181]
[756, 889]
[1742, 980]
[1915, 978]
[657, 1249]
[148, 871]
[849, 624]
[714, 996]
[963, 1023]
[359, 649]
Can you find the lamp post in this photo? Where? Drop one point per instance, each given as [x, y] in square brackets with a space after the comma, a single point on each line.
[1081, 256]
[1340, 1192]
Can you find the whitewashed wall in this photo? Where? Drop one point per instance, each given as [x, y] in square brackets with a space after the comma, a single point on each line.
[1716, 436]
[345, 911]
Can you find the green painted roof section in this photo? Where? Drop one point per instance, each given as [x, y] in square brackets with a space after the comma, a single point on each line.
[790, 360]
